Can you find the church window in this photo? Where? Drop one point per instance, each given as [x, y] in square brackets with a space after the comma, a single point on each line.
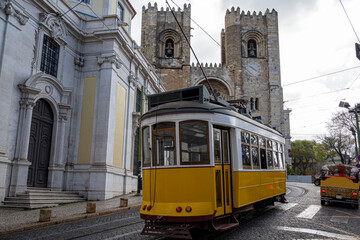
[169, 48]
[120, 12]
[254, 103]
[252, 51]
[50, 56]
[138, 100]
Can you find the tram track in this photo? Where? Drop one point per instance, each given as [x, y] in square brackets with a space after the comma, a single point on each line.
[296, 191]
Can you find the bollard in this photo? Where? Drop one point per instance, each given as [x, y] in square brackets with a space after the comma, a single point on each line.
[123, 202]
[45, 215]
[91, 207]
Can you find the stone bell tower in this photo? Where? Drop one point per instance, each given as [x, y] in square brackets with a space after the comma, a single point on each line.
[164, 45]
[250, 48]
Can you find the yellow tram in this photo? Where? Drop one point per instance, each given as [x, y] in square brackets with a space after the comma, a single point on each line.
[204, 163]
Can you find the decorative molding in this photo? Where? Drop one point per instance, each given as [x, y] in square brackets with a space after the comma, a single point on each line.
[11, 10]
[79, 61]
[63, 111]
[112, 59]
[136, 122]
[35, 50]
[55, 25]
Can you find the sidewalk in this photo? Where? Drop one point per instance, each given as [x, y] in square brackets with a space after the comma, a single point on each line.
[17, 220]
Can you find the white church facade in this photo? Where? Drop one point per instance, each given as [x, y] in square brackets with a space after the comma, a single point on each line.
[71, 87]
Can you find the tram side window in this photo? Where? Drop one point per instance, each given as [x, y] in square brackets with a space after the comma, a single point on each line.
[217, 146]
[269, 154]
[164, 144]
[255, 152]
[262, 153]
[281, 157]
[194, 142]
[146, 147]
[245, 150]
[275, 155]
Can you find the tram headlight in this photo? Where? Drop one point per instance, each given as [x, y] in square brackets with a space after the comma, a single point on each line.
[188, 209]
[149, 208]
[355, 194]
[144, 207]
[324, 191]
[179, 209]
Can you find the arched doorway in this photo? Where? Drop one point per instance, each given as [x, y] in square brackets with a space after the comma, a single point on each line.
[40, 144]
[219, 89]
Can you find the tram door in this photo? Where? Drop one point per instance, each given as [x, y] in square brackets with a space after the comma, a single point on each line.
[222, 172]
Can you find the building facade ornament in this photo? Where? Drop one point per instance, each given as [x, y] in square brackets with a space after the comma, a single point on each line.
[11, 10]
[79, 61]
[112, 59]
[55, 25]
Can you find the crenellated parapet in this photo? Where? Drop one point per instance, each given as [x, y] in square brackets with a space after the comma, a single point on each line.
[186, 8]
[208, 65]
[235, 16]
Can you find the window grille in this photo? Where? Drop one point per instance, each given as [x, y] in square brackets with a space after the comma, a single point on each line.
[50, 56]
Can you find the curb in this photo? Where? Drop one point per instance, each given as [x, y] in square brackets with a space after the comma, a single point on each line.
[70, 219]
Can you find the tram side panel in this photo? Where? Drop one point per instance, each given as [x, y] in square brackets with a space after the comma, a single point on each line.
[254, 186]
[168, 188]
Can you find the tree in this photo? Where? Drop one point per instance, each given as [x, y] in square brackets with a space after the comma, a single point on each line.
[305, 156]
[340, 139]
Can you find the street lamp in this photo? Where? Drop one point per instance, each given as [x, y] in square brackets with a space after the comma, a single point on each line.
[354, 110]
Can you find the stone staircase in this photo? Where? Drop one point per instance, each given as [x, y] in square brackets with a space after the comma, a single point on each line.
[41, 197]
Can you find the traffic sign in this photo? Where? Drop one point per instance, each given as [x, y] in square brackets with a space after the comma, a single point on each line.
[358, 165]
[359, 157]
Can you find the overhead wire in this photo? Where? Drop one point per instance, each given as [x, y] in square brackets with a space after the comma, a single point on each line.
[198, 25]
[71, 8]
[324, 75]
[349, 21]
[338, 90]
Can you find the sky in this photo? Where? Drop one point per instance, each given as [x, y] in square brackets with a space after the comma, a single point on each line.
[316, 39]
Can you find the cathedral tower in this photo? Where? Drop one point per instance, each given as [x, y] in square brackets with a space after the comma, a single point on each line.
[164, 45]
[250, 61]
[250, 48]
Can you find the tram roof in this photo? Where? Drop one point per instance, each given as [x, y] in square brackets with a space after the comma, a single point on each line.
[196, 107]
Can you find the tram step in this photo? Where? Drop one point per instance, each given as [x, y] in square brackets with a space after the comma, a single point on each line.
[166, 230]
[225, 223]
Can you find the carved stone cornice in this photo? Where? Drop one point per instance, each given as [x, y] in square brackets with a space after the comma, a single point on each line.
[11, 10]
[112, 59]
[27, 89]
[55, 25]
